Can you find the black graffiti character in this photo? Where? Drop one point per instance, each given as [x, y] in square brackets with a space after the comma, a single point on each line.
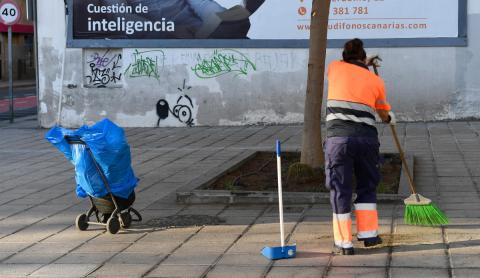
[182, 110]
[162, 110]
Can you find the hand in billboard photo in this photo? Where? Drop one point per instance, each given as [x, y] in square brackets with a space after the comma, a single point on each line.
[221, 23]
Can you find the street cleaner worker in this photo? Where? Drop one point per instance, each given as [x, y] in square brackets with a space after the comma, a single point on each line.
[355, 95]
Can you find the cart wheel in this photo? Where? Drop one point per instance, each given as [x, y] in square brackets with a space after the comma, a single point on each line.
[113, 225]
[125, 220]
[81, 222]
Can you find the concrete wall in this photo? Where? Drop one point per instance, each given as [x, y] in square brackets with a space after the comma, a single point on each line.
[253, 85]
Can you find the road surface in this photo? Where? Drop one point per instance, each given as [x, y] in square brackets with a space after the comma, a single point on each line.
[25, 102]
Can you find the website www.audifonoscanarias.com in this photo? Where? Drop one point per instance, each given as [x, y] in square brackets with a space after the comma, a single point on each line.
[369, 26]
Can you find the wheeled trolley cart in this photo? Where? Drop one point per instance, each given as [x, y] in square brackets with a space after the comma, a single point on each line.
[115, 212]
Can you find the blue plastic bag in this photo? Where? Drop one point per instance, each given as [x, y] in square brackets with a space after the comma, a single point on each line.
[110, 150]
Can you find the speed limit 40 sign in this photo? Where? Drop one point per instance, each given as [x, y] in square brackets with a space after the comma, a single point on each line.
[9, 12]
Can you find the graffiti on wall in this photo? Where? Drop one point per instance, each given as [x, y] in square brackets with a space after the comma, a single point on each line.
[223, 61]
[178, 107]
[103, 68]
[146, 64]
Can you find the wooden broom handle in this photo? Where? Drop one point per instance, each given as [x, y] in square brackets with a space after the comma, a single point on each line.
[402, 157]
[399, 147]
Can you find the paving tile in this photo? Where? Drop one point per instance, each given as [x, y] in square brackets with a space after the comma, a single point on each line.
[121, 237]
[17, 270]
[322, 245]
[85, 258]
[243, 260]
[121, 270]
[212, 237]
[178, 235]
[50, 248]
[13, 246]
[269, 226]
[178, 271]
[4, 255]
[419, 272]
[73, 235]
[159, 247]
[65, 270]
[363, 258]
[101, 247]
[250, 247]
[466, 273]
[191, 258]
[463, 235]
[201, 246]
[222, 271]
[465, 255]
[33, 258]
[419, 256]
[240, 220]
[356, 272]
[136, 258]
[462, 213]
[297, 272]
[306, 259]
[259, 238]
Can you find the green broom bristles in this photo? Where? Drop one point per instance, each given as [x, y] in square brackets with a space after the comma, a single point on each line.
[424, 215]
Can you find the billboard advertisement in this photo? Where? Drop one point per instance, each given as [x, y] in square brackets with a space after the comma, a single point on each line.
[260, 20]
[166, 19]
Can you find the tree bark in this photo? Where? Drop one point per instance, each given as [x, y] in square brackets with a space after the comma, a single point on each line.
[312, 152]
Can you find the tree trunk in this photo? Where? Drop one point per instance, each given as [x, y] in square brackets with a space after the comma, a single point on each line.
[312, 152]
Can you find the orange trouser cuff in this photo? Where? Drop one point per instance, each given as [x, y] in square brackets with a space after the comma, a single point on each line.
[342, 230]
[367, 220]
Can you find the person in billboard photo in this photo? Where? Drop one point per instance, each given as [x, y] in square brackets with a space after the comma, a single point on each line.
[221, 23]
[166, 19]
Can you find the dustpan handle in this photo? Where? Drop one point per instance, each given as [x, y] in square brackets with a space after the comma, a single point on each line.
[402, 157]
[280, 194]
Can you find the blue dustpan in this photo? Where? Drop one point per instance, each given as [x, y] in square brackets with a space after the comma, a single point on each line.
[280, 252]
[276, 253]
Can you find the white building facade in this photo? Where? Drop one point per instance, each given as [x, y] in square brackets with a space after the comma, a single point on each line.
[139, 82]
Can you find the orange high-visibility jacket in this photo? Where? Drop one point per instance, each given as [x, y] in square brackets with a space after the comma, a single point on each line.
[354, 95]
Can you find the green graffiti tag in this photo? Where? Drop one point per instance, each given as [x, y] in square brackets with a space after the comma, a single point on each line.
[223, 61]
[146, 64]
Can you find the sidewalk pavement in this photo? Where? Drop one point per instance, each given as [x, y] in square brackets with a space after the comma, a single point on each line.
[38, 208]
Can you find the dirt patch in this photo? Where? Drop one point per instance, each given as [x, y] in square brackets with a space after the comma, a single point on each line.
[260, 174]
[181, 221]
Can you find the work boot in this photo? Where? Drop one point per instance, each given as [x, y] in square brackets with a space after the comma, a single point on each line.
[372, 241]
[343, 251]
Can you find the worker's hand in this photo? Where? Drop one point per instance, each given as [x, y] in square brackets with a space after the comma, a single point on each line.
[392, 118]
[373, 61]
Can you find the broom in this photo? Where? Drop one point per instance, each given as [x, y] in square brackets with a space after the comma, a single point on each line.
[419, 210]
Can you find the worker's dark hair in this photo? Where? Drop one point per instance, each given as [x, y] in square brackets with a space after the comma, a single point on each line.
[353, 50]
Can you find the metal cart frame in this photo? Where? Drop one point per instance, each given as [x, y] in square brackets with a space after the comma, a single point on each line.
[118, 218]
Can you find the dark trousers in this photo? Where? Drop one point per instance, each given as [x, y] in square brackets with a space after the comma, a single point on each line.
[348, 156]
